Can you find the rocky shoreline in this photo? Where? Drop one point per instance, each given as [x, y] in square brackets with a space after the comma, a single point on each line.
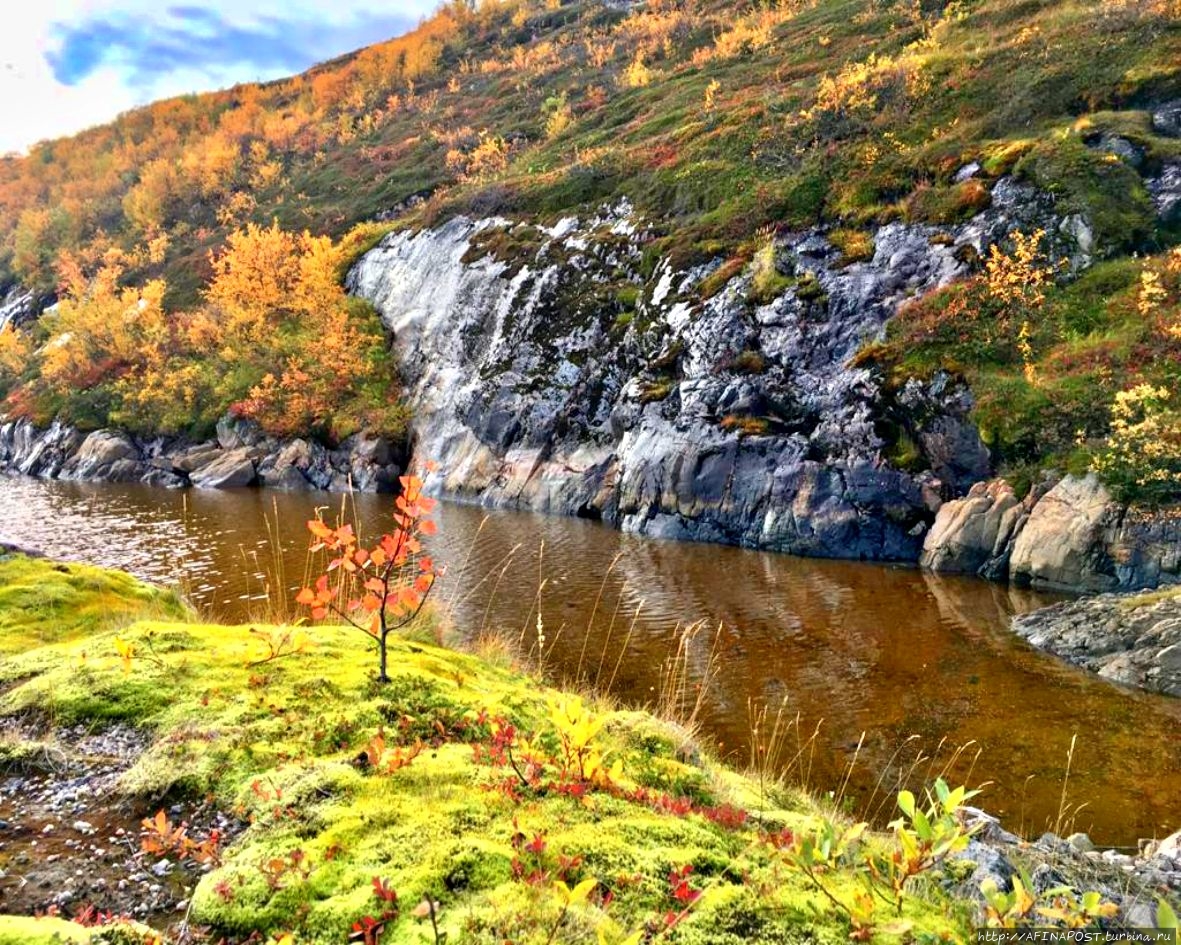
[1066, 534]
[1133, 881]
[240, 455]
[1132, 639]
[71, 842]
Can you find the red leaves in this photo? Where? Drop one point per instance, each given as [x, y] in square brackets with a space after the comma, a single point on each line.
[318, 599]
[391, 579]
[161, 837]
[383, 891]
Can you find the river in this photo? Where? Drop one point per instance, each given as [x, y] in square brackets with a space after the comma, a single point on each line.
[919, 663]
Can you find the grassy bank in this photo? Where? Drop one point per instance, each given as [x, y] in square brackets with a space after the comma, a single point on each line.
[463, 801]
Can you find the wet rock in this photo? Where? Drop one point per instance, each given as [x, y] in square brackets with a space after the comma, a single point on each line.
[1166, 119]
[230, 469]
[294, 467]
[234, 433]
[1131, 639]
[193, 457]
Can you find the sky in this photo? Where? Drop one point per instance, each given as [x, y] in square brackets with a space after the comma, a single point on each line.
[68, 64]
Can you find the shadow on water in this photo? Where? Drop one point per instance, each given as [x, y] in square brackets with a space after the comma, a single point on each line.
[853, 648]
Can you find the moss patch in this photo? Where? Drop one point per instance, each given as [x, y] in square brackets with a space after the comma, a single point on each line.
[291, 746]
[47, 602]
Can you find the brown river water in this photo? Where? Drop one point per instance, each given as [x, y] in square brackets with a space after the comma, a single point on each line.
[918, 663]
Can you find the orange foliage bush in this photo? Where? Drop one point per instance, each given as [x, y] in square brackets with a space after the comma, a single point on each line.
[378, 589]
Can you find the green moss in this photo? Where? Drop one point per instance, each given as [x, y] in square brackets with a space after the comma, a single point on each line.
[46, 602]
[1108, 193]
[279, 744]
[19, 930]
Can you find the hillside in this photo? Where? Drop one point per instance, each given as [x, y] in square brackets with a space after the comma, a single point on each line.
[713, 119]
[679, 266]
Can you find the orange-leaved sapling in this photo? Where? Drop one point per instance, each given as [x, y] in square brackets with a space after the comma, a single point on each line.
[380, 589]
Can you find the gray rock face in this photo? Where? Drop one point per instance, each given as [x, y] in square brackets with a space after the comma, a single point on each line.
[735, 418]
[1166, 119]
[1131, 639]
[363, 463]
[1128, 152]
[231, 469]
[16, 307]
[1165, 191]
[32, 452]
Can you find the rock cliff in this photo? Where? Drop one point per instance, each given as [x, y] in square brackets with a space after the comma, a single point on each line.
[560, 369]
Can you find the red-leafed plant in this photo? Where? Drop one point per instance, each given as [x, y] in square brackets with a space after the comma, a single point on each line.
[382, 588]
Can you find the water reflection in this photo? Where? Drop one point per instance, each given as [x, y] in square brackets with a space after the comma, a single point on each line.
[853, 648]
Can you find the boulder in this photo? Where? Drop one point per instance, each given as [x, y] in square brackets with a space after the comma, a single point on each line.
[298, 465]
[230, 469]
[107, 456]
[1065, 542]
[234, 433]
[975, 534]
[1127, 151]
[193, 457]
[1165, 190]
[1166, 119]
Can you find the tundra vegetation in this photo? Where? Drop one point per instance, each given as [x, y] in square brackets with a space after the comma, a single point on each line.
[720, 123]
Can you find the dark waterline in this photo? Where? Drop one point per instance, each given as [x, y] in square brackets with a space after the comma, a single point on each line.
[889, 651]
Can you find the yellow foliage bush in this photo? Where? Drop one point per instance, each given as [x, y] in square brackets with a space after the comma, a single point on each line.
[1018, 278]
[487, 159]
[1142, 457]
[1159, 297]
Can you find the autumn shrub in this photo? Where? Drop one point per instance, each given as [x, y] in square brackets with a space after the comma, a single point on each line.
[855, 245]
[379, 589]
[1141, 459]
[276, 339]
[15, 351]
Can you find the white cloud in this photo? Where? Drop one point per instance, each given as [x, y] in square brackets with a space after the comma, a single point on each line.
[35, 104]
